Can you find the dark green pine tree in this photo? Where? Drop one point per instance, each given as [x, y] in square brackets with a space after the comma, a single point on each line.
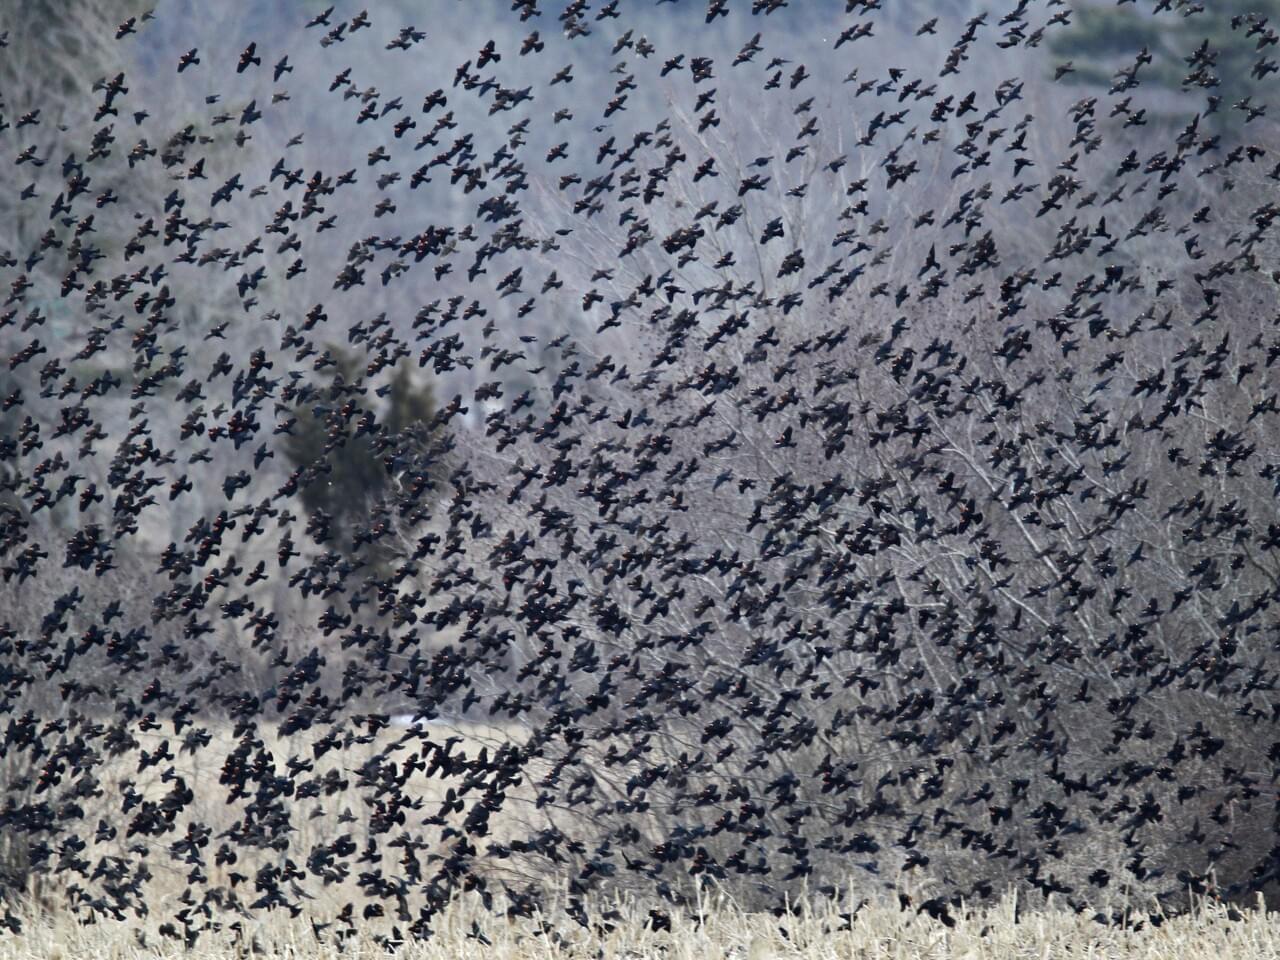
[1242, 43]
[350, 448]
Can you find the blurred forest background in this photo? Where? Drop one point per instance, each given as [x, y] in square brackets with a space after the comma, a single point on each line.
[1074, 612]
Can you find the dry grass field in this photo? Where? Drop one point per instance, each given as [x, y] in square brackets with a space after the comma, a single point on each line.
[721, 933]
[720, 930]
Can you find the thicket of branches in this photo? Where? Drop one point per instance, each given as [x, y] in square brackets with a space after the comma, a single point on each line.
[1010, 611]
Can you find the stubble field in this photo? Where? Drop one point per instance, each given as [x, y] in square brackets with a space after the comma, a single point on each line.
[722, 932]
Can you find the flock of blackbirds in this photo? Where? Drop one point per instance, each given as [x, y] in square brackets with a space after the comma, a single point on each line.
[796, 572]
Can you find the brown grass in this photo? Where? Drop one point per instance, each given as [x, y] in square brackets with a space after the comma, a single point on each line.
[723, 932]
[719, 930]
[312, 821]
